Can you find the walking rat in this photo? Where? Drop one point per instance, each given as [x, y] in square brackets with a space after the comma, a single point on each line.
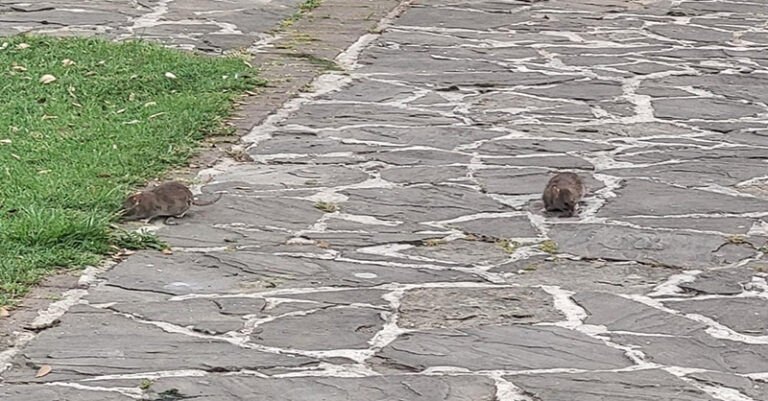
[168, 199]
[563, 192]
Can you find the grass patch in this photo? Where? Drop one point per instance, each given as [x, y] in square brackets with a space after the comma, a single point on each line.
[115, 116]
[434, 242]
[548, 246]
[508, 246]
[309, 5]
[327, 207]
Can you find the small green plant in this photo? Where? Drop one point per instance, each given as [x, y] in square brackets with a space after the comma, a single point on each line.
[309, 5]
[328, 65]
[327, 207]
[548, 246]
[137, 240]
[145, 384]
[736, 240]
[434, 242]
[530, 268]
[507, 245]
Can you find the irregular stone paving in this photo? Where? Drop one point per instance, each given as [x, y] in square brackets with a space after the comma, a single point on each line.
[208, 25]
[439, 277]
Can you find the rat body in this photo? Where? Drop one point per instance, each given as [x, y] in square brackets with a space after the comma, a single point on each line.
[168, 199]
[563, 193]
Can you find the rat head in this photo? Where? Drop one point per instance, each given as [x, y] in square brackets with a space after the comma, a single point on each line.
[566, 199]
[130, 206]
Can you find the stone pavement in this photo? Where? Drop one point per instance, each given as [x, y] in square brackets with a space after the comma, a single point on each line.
[387, 241]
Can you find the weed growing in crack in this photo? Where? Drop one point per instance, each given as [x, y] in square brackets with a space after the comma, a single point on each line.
[327, 207]
[548, 246]
[508, 246]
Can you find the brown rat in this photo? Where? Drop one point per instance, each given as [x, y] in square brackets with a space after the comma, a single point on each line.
[563, 193]
[167, 199]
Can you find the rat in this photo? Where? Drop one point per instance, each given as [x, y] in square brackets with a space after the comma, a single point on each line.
[563, 193]
[167, 199]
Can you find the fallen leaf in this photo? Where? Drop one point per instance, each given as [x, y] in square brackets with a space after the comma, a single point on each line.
[15, 156]
[47, 117]
[147, 104]
[114, 146]
[47, 78]
[22, 46]
[15, 129]
[102, 62]
[5, 141]
[167, 251]
[77, 104]
[157, 115]
[4, 46]
[18, 67]
[131, 122]
[71, 91]
[170, 75]
[4, 312]
[44, 370]
[67, 62]
[89, 73]
[121, 111]
[134, 76]
[44, 171]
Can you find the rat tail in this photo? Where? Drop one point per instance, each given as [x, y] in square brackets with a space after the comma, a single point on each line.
[198, 203]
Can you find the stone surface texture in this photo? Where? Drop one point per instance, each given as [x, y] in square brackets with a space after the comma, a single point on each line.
[387, 239]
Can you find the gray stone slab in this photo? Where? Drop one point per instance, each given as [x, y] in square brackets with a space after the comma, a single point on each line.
[92, 342]
[757, 389]
[573, 275]
[704, 109]
[461, 252]
[744, 315]
[690, 33]
[244, 271]
[34, 392]
[425, 174]
[319, 115]
[701, 351]
[720, 282]
[264, 177]
[441, 137]
[695, 173]
[512, 147]
[416, 388]
[500, 227]
[579, 90]
[679, 249]
[620, 314]
[333, 328]
[643, 385]
[510, 347]
[647, 198]
[727, 225]
[552, 161]
[415, 204]
[431, 308]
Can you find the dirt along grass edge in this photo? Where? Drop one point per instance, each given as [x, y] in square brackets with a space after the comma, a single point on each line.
[82, 122]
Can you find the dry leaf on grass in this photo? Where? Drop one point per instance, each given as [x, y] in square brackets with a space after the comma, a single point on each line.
[44, 370]
[170, 75]
[4, 46]
[131, 122]
[47, 78]
[67, 62]
[22, 46]
[15, 156]
[5, 141]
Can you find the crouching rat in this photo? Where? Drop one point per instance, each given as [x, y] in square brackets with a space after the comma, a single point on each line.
[168, 199]
[563, 193]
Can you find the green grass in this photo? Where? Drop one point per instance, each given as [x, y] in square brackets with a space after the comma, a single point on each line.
[71, 149]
